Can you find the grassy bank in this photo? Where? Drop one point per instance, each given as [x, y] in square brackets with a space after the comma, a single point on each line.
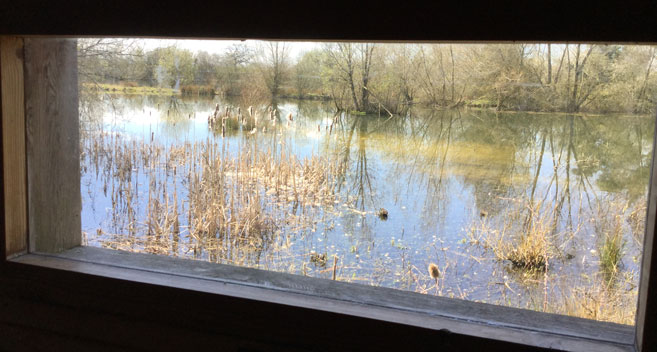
[129, 89]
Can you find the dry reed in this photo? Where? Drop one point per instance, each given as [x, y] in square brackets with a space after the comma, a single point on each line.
[205, 202]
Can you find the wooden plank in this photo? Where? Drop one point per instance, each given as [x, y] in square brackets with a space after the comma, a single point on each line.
[422, 311]
[117, 330]
[26, 338]
[53, 151]
[646, 320]
[631, 22]
[13, 145]
[140, 316]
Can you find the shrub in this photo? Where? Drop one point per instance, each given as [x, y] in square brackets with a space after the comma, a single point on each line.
[197, 90]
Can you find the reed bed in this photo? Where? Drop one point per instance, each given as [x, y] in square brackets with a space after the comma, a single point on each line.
[207, 200]
[250, 201]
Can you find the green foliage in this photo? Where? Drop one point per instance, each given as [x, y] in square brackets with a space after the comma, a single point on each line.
[308, 80]
[231, 69]
[205, 69]
[175, 67]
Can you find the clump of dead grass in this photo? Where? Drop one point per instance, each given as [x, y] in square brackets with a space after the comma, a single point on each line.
[523, 238]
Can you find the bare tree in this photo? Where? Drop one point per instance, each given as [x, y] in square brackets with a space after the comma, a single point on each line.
[232, 66]
[102, 59]
[274, 63]
[366, 52]
[341, 56]
[549, 64]
[350, 62]
[642, 90]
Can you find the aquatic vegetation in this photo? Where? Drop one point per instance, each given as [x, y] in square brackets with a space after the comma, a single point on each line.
[252, 190]
[220, 202]
[382, 214]
[610, 230]
[637, 219]
[529, 252]
[523, 238]
[318, 259]
[611, 252]
[595, 298]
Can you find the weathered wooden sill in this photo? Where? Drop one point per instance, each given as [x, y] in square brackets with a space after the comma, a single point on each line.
[414, 309]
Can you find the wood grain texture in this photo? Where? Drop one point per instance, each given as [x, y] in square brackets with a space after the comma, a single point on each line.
[646, 320]
[13, 145]
[118, 313]
[392, 306]
[53, 150]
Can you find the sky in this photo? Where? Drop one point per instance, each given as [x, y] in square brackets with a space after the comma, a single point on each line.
[219, 46]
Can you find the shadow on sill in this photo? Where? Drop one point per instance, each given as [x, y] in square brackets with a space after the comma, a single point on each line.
[383, 304]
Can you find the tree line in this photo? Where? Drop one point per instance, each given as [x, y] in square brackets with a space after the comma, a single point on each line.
[369, 77]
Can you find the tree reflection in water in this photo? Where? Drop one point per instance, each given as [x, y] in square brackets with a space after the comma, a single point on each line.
[465, 189]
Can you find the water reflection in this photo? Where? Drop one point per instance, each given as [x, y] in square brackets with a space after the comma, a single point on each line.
[464, 189]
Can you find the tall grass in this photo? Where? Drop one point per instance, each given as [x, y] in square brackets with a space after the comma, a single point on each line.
[596, 298]
[523, 238]
[202, 201]
[609, 229]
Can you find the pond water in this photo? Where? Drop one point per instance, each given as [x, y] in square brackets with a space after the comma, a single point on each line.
[512, 208]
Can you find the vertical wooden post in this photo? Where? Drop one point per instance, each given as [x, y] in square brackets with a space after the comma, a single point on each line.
[53, 144]
[3, 230]
[13, 145]
[646, 318]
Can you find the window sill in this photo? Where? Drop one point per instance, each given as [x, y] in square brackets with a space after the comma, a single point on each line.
[384, 304]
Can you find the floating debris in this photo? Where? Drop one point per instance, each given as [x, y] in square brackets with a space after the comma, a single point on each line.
[318, 259]
[382, 214]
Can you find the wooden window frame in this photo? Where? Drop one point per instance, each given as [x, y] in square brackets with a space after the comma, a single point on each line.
[23, 262]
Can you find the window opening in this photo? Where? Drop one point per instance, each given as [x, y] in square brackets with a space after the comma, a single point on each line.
[511, 174]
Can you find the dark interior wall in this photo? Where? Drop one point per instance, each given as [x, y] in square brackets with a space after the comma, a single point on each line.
[50, 309]
[631, 21]
[41, 309]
